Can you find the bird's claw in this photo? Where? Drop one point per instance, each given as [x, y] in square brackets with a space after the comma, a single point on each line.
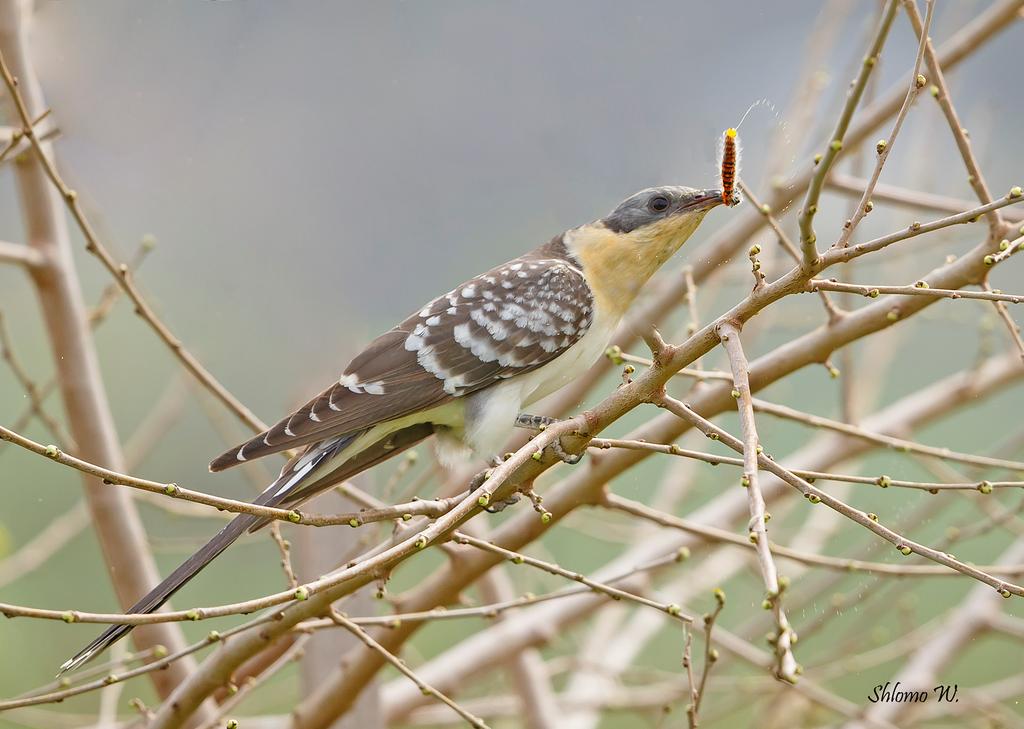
[498, 506]
[540, 422]
[571, 458]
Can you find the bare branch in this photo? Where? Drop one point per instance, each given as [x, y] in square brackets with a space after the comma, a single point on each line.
[884, 147]
[368, 640]
[20, 255]
[808, 239]
[121, 272]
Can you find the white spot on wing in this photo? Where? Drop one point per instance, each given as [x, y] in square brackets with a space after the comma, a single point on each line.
[413, 343]
[462, 335]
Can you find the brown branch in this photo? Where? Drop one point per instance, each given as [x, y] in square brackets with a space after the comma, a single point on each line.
[839, 564]
[31, 389]
[122, 540]
[884, 147]
[816, 496]
[839, 255]
[941, 94]
[831, 310]
[174, 491]
[373, 645]
[808, 239]
[284, 547]
[292, 653]
[20, 255]
[535, 626]
[899, 444]
[1004, 314]
[710, 657]
[617, 357]
[854, 186]
[786, 665]
[717, 460]
[120, 272]
[162, 663]
[16, 141]
[613, 592]
[96, 316]
[872, 291]
[339, 689]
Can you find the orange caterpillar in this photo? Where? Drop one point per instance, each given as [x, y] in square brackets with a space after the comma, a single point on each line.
[730, 163]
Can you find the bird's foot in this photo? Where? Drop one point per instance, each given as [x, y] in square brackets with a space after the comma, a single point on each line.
[540, 422]
[478, 481]
[535, 422]
[498, 506]
[571, 458]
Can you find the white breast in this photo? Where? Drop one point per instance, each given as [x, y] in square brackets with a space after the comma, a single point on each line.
[490, 414]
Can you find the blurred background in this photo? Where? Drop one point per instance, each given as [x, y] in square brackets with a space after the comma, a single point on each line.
[312, 172]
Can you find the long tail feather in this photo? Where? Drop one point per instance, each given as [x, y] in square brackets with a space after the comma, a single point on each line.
[162, 592]
[292, 476]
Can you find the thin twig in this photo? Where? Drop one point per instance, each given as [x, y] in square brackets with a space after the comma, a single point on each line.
[808, 239]
[292, 653]
[899, 444]
[399, 664]
[31, 389]
[880, 480]
[831, 310]
[710, 657]
[941, 93]
[816, 496]
[97, 315]
[615, 593]
[174, 491]
[121, 272]
[839, 564]
[885, 147]
[284, 547]
[20, 254]
[838, 255]
[872, 291]
[786, 665]
[853, 186]
[1004, 314]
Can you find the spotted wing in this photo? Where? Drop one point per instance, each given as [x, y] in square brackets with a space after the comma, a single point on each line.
[508, 321]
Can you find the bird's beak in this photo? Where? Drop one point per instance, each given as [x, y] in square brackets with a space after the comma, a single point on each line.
[701, 200]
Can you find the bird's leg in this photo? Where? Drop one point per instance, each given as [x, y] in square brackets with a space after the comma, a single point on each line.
[540, 422]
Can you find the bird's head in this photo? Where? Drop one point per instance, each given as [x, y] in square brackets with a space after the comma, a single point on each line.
[622, 250]
[662, 212]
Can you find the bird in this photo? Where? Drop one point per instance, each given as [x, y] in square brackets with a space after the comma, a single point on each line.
[460, 368]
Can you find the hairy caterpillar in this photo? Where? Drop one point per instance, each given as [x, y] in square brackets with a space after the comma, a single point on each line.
[730, 165]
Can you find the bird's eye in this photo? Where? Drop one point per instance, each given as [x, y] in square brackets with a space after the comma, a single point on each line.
[658, 204]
